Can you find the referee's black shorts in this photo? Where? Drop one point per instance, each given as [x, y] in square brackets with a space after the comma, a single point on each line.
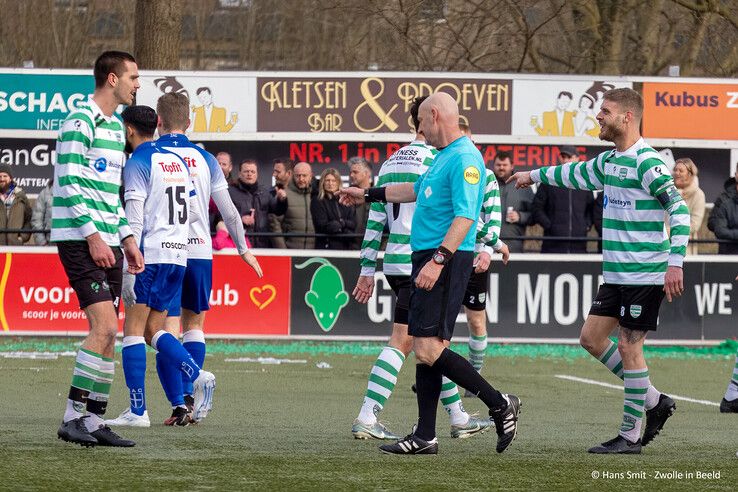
[433, 313]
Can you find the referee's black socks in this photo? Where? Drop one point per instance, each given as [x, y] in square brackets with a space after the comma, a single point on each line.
[428, 386]
[461, 372]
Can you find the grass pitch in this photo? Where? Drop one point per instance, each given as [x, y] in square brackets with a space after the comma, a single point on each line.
[287, 426]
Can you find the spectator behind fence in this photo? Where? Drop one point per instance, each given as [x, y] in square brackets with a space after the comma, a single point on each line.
[15, 211]
[41, 216]
[226, 165]
[360, 175]
[296, 218]
[222, 239]
[254, 203]
[329, 216]
[564, 212]
[515, 203]
[724, 217]
[688, 185]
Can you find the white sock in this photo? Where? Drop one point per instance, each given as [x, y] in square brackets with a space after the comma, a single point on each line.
[452, 402]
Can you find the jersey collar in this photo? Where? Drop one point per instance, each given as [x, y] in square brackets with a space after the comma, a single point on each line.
[632, 151]
[175, 138]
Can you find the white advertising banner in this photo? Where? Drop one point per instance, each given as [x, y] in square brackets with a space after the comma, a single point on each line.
[559, 108]
[219, 102]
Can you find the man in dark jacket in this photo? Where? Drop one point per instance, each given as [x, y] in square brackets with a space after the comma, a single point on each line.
[563, 212]
[296, 218]
[254, 203]
[515, 203]
[723, 219]
[15, 210]
[360, 175]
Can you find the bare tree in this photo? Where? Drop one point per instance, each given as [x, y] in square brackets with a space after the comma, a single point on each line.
[157, 34]
[609, 37]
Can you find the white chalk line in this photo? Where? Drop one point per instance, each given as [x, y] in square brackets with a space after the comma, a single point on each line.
[615, 386]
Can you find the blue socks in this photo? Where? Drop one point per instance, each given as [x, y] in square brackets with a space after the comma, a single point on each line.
[134, 369]
[194, 342]
[171, 380]
[171, 349]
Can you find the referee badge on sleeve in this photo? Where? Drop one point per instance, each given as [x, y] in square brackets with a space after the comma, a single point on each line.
[471, 175]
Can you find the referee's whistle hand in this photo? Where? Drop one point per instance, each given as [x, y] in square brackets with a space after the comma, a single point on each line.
[521, 178]
[428, 275]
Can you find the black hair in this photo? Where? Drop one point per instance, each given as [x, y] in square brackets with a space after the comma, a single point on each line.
[142, 118]
[414, 107]
[110, 62]
[502, 155]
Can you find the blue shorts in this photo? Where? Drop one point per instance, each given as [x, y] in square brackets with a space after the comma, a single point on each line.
[159, 286]
[196, 287]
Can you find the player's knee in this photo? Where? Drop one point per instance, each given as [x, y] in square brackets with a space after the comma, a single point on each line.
[587, 342]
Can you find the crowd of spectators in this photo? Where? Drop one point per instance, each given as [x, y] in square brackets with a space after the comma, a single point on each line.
[301, 211]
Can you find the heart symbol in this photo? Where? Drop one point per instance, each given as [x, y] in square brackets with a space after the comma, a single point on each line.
[256, 291]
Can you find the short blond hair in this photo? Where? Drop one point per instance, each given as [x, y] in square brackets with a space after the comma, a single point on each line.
[174, 112]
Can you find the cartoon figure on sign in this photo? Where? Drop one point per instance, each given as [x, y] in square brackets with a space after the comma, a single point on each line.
[326, 296]
[208, 117]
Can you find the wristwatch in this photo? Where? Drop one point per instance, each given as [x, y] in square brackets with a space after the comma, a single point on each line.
[442, 256]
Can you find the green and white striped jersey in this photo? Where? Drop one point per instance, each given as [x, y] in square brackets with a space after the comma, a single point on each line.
[638, 188]
[87, 177]
[490, 218]
[406, 166]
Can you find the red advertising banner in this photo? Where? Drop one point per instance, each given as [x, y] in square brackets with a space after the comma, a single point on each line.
[243, 304]
[35, 296]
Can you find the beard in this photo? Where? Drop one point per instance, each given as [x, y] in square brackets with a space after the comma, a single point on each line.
[609, 133]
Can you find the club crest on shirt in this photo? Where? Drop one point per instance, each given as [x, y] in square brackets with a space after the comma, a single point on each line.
[471, 175]
[623, 173]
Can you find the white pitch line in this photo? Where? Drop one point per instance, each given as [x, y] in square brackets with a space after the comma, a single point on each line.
[614, 386]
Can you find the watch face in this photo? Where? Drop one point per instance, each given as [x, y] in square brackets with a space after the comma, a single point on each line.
[439, 258]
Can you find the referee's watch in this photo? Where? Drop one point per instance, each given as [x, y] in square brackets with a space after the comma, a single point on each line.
[442, 256]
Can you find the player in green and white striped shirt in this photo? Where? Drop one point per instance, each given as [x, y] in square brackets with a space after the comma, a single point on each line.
[406, 166]
[89, 227]
[642, 263]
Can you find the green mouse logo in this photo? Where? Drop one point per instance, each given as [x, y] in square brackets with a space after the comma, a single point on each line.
[326, 296]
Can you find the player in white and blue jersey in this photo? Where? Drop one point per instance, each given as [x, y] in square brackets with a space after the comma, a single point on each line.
[209, 182]
[158, 193]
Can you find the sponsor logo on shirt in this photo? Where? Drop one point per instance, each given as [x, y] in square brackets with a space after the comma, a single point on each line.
[195, 240]
[172, 167]
[171, 245]
[619, 203]
[471, 175]
[101, 164]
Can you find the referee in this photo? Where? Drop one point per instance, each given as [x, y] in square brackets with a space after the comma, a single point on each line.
[449, 199]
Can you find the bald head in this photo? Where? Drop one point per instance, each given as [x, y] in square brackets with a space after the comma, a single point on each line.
[302, 174]
[439, 119]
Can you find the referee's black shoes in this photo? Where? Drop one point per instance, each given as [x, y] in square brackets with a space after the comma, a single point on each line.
[411, 444]
[506, 422]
